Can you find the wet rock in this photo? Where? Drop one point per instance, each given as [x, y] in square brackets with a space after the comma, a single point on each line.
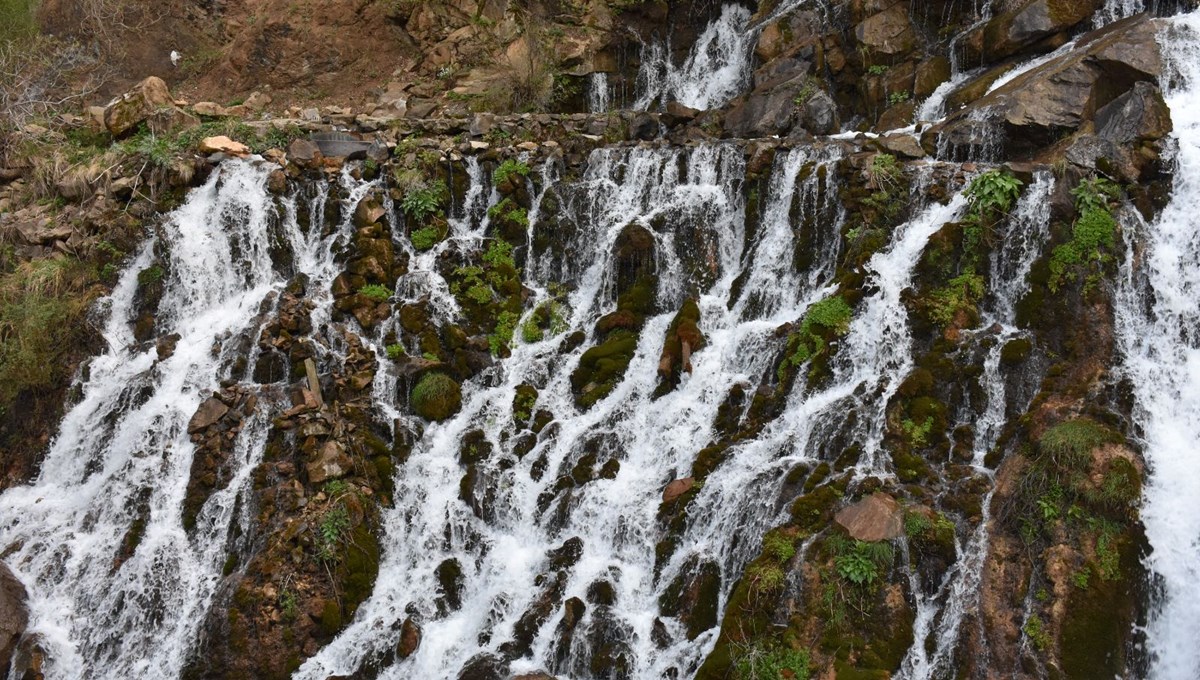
[165, 346]
[677, 488]
[1030, 21]
[540, 675]
[643, 126]
[123, 114]
[212, 410]
[450, 578]
[677, 114]
[436, 397]
[875, 518]
[410, 639]
[693, 596]
[902, 145]
[566, 555]
[484, 667]
[634, 255]
[1040, 107]
[14, 615]
[602, 593]
[1138, 115]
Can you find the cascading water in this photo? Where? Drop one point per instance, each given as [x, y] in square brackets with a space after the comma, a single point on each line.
[1158, 322]
[717, 68]
[940, 614]
[121, 461]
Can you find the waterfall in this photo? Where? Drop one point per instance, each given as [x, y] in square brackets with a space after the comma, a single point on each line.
[1158, 326]
[599, 93]
[718, 67]
[940, 615]
[1114, 10]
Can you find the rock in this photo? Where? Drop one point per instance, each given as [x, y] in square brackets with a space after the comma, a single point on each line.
[209, 110]
[311, 115]
[566, 555]
[165, 346]
[481, 124]
[436, 397]
[875, 518]
[1138, 115]
[167, 120]
[677, 488]
[902, 145]
[678, 113]
[123, 114]
[540, 675]
[257, 101]
[14, 615]
[643, 126]
[889, 33]
[210, 412]
[277, 182]
[1030, 21]
[931, 73]
[1038, 108]
[304, 153]
[818, 114]
[331, 463]
[225, 145]
[410, 639]
[484, 667]
[40, 231]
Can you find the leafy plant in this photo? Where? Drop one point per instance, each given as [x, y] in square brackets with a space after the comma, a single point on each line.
[829, 317]
[778, 546]
[509, 169]
[960, 294]
[424, 200]
[898, 97]
[333, 524]
[1036, 631]
[501, 337]
[376, 292]
[877, 69]
[395, 351]
[917, 434]
[992, 192]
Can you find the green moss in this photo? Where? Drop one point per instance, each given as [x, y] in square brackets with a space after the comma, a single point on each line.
[1015, 351]
[823, 321]
[426, 237]
[759, 662]
[376, 292]
[601, 367]
[958, 297]
[436, 396]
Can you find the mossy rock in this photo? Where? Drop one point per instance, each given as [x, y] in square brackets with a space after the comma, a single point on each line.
[436, 396]
[602, 367]
[1015, 351]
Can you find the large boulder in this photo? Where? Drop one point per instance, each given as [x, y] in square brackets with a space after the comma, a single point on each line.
[875, 518]
[889, 33]
[147, 98]
[1045, 104]
[1031, 21]
[14, 616]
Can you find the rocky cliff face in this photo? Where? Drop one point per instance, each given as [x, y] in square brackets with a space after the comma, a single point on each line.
[589, 340]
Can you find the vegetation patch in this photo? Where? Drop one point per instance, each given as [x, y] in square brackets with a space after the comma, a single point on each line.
[436, 397]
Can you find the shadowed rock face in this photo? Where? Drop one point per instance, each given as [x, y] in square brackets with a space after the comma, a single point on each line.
[14, 616]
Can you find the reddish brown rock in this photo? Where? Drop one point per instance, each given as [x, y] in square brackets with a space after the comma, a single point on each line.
[677, 488]
[875, 518]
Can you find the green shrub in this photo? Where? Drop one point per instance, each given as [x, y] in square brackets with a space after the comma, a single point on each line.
[42, 306]
[436, 397]
[376, 292]
[960, 294]
[426, 237]
[994, 191]
[395, 351]
[509, 169]
[501, 338]
[898, 97]
[778, 546]
[1093, 236]
[422, 201]
[760, 663]
[823, 320]
[334, 523]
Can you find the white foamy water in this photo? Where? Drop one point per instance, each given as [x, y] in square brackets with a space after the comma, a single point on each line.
[1158, 322]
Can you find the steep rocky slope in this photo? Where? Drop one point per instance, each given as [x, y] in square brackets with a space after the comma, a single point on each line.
[613, 340]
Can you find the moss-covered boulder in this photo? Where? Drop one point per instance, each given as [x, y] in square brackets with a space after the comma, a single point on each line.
[436, 396]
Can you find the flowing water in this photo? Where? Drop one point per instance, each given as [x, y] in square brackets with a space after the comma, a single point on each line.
[1158, 321]
[718, 67]
[123, 456]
